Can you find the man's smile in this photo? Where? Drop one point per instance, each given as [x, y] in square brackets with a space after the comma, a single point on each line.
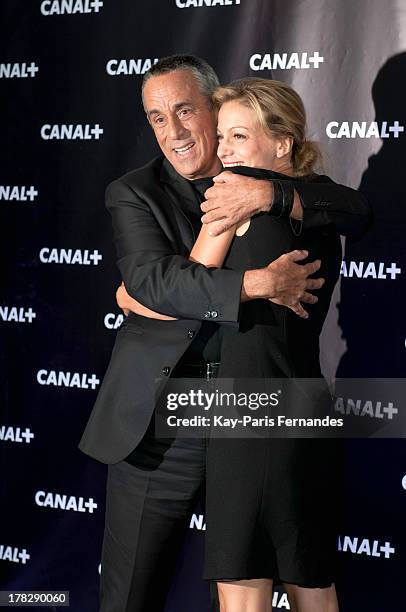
[183, 151]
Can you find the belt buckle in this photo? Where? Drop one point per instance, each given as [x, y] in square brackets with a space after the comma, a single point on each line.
[209, 371]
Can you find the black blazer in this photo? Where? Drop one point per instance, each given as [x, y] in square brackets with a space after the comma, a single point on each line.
[153, 238]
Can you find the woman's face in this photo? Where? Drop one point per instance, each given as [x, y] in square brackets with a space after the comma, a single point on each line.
[244, 142]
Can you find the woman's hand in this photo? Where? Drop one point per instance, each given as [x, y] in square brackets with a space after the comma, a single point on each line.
[123, 299]
[129, 304]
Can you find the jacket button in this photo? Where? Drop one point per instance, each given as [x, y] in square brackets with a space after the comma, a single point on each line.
[190, 333]
[165, 371]
[207, 314]
[214, 314]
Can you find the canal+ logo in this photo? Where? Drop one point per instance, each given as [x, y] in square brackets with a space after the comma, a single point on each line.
[364, 129]
[365, 546]
[13, 554]
[18, 193]
[113, 321]
[18, 70]
[117, 67]
[80, 380]
[17, 314]
[80, 257]
[201, 3]
[368, 408]
[8, 433]
[285, 61]
[71, 131]
[70, 7]
[370, 269]
[59, 501]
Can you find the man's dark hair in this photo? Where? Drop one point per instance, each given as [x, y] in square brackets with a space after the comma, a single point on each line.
[203, 72]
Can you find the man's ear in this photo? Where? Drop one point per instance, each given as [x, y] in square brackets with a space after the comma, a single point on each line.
[284, 146]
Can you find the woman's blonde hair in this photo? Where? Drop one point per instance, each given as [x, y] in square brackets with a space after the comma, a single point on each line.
[280, 111]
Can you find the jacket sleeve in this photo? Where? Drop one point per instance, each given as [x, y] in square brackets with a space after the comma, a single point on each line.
[325, 201]
[158, 277]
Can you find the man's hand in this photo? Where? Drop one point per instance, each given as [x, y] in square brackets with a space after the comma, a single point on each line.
[234, 198]
[284, 282]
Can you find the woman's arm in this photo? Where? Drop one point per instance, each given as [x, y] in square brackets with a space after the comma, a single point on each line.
[207, 250]
[128, 303]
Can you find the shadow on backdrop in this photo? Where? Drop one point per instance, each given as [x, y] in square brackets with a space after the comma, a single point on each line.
[371, 316]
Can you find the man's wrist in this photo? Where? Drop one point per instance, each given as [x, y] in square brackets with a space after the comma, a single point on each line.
[257, 284]
[268, 196]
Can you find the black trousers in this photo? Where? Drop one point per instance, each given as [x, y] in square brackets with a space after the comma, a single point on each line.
[148, 507]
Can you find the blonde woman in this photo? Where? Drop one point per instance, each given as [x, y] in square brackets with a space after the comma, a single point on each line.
[272, 504]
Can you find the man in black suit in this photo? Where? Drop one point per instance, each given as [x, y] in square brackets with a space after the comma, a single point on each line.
[153, 483]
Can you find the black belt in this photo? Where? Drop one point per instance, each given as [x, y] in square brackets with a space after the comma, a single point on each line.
[201, 369]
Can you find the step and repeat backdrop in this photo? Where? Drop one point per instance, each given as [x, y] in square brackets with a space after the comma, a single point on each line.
[70, 77]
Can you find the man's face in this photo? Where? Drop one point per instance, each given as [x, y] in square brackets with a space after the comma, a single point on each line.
[183, 123]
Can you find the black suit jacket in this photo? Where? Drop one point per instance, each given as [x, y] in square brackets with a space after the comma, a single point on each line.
[153, 238]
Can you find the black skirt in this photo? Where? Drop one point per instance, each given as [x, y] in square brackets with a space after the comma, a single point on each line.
[273, 509]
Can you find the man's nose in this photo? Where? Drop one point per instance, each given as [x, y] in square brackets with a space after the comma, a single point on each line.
[176, 129]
